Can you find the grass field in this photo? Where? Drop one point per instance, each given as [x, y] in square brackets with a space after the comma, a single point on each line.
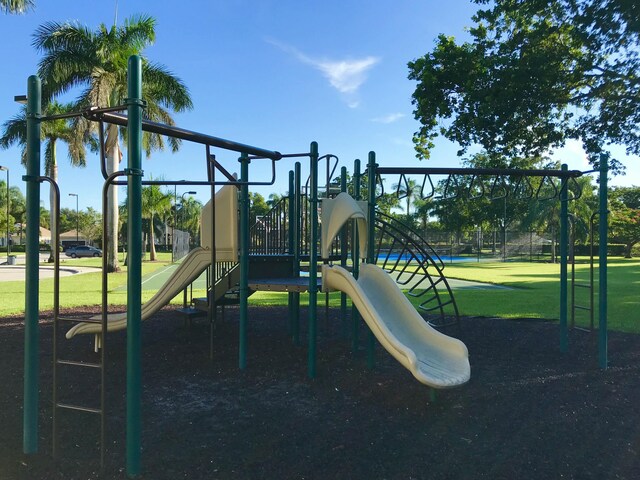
[534, 290]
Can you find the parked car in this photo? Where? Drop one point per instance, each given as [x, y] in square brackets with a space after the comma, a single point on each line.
[83, 251]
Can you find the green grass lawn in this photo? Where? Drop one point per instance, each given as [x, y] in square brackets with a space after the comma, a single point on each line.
[79, 290]
[534, 290]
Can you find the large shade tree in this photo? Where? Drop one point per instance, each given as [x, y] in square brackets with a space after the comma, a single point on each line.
[625, 217]
[535, 74]
[14, 131]
[96, 61]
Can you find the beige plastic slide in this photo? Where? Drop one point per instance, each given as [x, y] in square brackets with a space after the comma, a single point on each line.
[192, 265]
[188, 270]
[433, 358]
[335, 213]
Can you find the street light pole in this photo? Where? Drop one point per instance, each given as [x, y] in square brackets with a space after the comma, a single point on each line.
[6, 169]
[77, 219]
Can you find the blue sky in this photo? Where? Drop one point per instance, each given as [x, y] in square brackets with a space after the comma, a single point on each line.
[277, 74]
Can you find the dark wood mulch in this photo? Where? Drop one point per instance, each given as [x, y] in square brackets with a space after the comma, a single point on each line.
[528, 411]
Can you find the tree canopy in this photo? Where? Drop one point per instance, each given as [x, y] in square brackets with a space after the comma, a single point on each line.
[533, 75]
[625, 217]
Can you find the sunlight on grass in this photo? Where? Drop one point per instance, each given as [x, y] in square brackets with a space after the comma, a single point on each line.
[534, 291]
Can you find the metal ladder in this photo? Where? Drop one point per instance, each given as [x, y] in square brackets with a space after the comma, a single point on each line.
[58, 361]
[589, 287]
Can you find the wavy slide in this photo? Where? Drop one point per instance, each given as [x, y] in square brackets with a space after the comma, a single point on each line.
[433, 358]
[188, 271]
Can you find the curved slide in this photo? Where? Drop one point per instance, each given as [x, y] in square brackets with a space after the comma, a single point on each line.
[433, 358]
[188, 271]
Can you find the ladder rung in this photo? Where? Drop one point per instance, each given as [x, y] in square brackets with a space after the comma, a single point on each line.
[79, 364]
[588, 309]
[583, 329]
[68, 406]
[79, 320]
[582, 285]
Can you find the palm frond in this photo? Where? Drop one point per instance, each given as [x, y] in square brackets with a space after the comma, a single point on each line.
[138, 32]
[62, 71]
[14, 130]
[163, 87]
[16, 6]
[59, 37]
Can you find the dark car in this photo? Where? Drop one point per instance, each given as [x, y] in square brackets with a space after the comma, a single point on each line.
[83, 251]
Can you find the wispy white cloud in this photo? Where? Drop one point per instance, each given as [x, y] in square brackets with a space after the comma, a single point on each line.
[346, 76]
[392, 117]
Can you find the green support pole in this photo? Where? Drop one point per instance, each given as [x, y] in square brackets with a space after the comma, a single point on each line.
[291, 220]
[297, 243]
[344, 245]
[564, 244]
[602, 263]
[244, 260]
[355, 316]
[134, 265]
[313, 261]
[32, 310]
[371, 223]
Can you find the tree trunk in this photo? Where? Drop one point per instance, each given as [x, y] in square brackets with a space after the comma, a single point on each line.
[152, 249]
[52, 201]
[627, 250]
[114, 155]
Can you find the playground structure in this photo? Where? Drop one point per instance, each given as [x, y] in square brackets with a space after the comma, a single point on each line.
[436, 359]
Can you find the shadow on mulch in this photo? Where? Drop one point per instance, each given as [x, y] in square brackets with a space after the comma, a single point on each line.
[528, 412]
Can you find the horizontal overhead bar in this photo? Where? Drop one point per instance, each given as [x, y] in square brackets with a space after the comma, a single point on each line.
[477, 171]
[176, 132]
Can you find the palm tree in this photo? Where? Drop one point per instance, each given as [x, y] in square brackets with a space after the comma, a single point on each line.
[155, 202]
[274, 199]
[15, 132]
[409, 190]
[189, 215]
[16, 6]
[75, 56]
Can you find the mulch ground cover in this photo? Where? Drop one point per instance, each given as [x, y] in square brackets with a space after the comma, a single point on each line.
[529, 411]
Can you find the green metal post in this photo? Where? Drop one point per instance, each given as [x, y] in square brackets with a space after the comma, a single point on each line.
[134, 265]
[602, 261]
[31, 315]
[371, 222]
[291, 238]
[244, 260]
[344, 245]
[355, 316]
[297, 245]
[313, 261]
[564, 243]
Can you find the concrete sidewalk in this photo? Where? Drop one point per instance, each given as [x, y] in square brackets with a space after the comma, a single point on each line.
[10, 273]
